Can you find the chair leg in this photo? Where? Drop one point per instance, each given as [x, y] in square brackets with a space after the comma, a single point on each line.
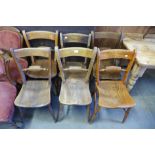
[126, 114]
[21, 117]
[51, 112]
[60, 106]
[96, 109]
[88, 113]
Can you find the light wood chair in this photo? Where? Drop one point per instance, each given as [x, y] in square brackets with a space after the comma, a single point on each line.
[41, 35]
[34, 93]
[75, 80]
[114, 94]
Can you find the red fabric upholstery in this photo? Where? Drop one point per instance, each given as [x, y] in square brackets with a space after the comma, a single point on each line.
[9, 39]
[7, 97]
[14, 73]
[2, 69]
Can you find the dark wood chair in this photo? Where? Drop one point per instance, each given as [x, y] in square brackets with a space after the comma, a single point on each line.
[75, 80]
[114, 94]
[41, 35]
[34, 93]
[107, 40]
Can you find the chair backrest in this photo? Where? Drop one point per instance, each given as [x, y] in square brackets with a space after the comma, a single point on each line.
[109, 40]
[44, 52]
[66, 40]
[37, 35]
[33, 35]
[115, 54]
[136, 36]
[75, 52]
[10, 37]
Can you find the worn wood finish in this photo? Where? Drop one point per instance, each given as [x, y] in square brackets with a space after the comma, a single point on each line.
[145, 58]
[53, 36]
[75, 38]
[75, 86]
[107, 40]
[34, 94]
[27, 52]
[114, 94]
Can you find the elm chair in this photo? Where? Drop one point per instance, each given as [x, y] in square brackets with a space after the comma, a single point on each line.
[44, 36]
[107, 40]
[10, 37]
[34, 93]
[75, 80]
[7, 94]
[75, 40]
[113, 94]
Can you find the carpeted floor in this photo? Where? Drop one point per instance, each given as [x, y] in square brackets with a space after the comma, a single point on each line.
[142, 116]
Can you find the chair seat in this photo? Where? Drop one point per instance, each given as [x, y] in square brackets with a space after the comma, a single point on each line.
[43, 74]
[114, 94]
[34, 94]
[75, 91]
[7, 97]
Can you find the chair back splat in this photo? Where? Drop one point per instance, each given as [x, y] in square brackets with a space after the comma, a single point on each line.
[75, 52]
[115, 54]
[42, 36]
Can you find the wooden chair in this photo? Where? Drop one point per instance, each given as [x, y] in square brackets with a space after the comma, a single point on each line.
[34, 93]
[114, 94]
[106, 40]
[75, 80]
[75, 40]
[41, 35]
[10, 37]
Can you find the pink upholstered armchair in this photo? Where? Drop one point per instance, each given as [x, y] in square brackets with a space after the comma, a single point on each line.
[9, 38]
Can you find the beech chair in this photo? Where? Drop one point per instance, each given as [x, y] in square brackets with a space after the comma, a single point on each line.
[113, 93]
[7, 94]
[75, 80]
[34, 93]
[10, 37]
[75, 40]
[43, 36]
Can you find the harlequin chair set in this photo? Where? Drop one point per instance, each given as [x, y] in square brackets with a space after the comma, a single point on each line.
[75, 75]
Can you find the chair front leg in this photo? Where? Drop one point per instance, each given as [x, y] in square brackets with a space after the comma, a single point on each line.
[126, 114]
[97, 108]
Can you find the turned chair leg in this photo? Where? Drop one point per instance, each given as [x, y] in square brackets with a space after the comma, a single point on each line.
[126, 114]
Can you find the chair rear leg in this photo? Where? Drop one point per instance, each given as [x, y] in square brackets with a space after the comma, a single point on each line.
[126, 114]
[51, 112]
[21, 117]
[60, 109]
[88, 112]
